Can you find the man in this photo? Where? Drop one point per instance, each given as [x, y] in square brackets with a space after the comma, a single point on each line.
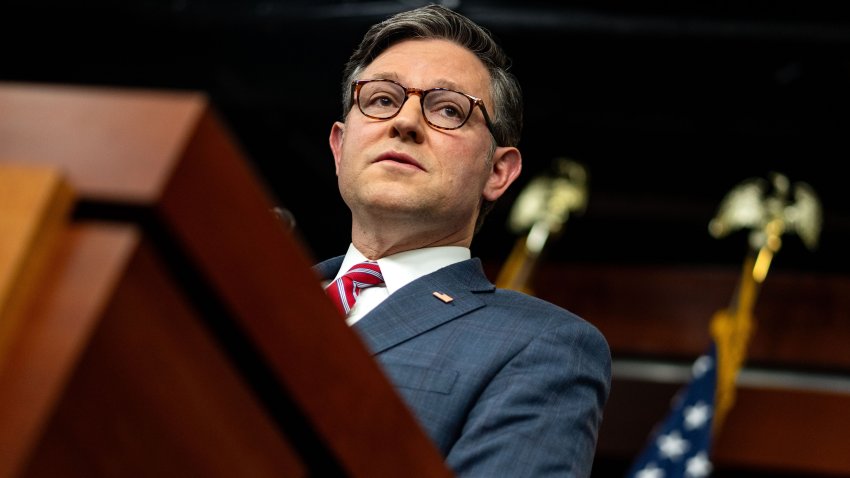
[504, 383]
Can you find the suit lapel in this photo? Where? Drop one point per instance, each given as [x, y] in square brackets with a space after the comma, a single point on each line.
[326, 270]
[413, 309]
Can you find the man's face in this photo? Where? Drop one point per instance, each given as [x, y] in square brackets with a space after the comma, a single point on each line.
[402, 168]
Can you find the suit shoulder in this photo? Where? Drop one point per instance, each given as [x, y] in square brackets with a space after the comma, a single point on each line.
[537, 319]
[512, 298]
[534, 309]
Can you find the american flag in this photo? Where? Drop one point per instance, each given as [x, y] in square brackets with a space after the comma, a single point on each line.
[679, 447]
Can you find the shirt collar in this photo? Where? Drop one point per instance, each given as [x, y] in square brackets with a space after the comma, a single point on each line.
[405, 267]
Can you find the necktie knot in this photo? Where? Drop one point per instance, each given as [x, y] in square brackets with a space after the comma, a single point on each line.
[344, 291]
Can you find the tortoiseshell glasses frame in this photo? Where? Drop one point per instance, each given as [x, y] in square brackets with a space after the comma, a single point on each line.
[442, 108]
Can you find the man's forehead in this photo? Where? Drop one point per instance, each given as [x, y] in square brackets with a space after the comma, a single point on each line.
[432, 63]
[436, 82]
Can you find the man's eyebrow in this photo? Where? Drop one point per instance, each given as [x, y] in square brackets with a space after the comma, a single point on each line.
[438, 83]
[384, 76]
[445, 83]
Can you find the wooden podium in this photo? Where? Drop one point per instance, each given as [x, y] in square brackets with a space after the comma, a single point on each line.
[156, 319]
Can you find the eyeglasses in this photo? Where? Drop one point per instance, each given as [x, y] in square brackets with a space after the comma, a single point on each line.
[441, 107]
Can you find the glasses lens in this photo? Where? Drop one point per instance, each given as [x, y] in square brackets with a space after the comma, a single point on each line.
[380, 99]
[446, 109]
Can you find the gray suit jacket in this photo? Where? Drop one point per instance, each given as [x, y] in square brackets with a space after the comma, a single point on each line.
[507, 385]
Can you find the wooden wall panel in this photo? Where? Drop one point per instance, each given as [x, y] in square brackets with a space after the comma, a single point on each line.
[656, 318]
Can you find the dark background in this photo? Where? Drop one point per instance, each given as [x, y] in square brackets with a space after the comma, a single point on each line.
[668, 106]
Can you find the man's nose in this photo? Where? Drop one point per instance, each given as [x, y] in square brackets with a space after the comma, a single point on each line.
[410, 120]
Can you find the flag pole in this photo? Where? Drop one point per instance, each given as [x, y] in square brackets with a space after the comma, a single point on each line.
[540, 212]
[680, 445]
[762, 207]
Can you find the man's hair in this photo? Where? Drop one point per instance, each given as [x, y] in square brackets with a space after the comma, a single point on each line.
[438, 22]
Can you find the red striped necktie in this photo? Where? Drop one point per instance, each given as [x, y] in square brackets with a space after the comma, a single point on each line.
[344, 291]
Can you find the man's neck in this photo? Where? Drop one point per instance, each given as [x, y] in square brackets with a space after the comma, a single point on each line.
[382, 241]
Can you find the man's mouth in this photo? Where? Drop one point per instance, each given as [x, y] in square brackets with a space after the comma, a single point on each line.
[399, 158]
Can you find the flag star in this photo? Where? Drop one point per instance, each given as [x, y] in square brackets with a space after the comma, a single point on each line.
[650, 471]
[672, 445]
[698, 466]
[697, 415]
[701, 365]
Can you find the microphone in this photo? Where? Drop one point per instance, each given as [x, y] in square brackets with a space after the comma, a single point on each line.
[285, 216]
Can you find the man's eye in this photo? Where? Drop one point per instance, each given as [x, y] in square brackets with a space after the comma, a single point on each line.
[450, 112]
[385, 101]
[382, 101]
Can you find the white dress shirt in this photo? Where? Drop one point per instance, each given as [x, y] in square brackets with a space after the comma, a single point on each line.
[398, 270]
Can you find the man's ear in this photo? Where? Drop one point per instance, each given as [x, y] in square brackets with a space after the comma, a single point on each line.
[335, 140]
[507, 164]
